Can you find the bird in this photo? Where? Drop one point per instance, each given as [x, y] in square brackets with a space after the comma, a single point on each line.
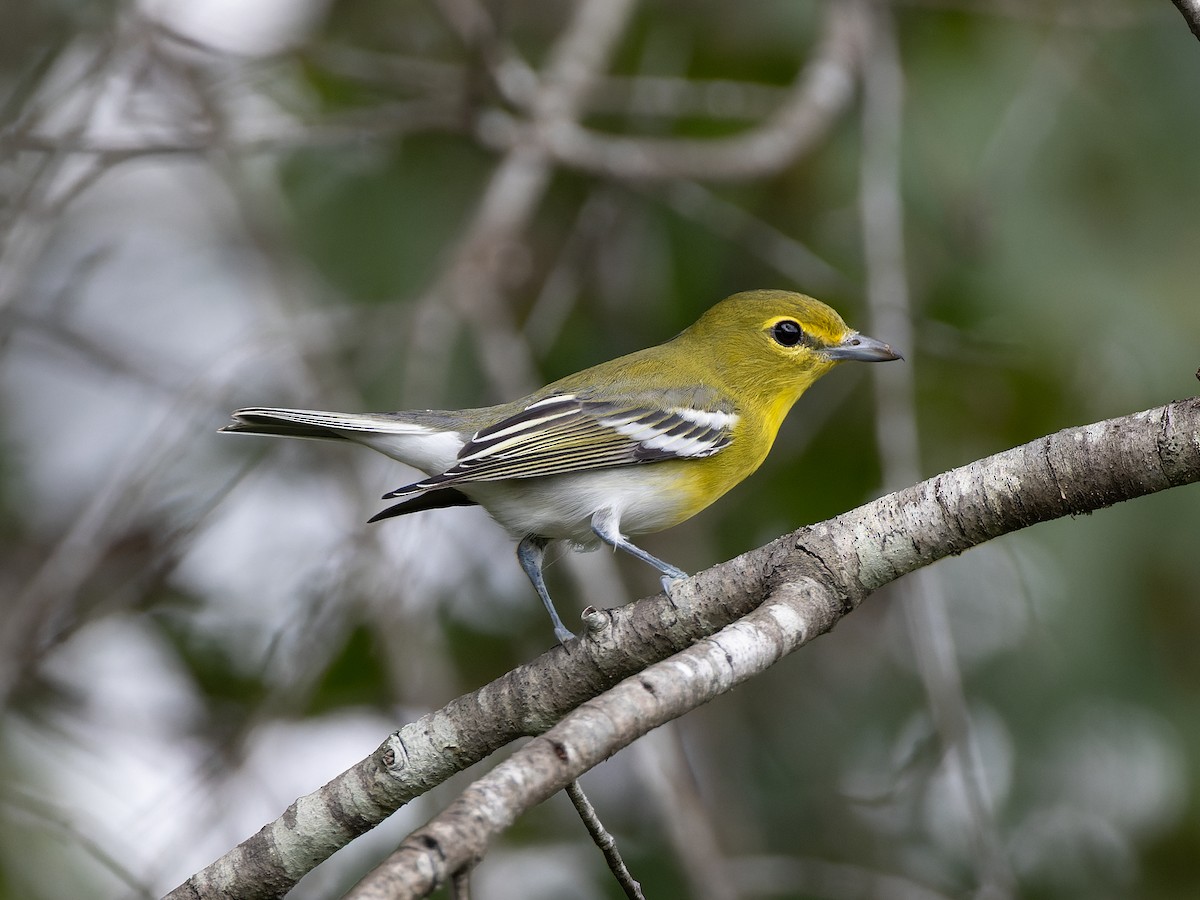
[631, 446]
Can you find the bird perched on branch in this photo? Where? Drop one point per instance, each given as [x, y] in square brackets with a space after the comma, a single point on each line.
[630, 446]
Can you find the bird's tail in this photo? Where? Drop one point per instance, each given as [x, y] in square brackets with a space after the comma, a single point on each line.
[316, 424]
[428, 440]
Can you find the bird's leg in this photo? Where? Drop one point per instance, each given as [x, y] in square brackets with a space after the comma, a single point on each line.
[530, 553]
[607, 527]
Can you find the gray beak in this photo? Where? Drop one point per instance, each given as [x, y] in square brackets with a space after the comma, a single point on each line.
[862, 348]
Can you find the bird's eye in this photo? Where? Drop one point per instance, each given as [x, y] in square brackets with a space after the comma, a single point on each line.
[787, 333]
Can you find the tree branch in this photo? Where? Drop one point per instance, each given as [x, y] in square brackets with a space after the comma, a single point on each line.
[793, 614]
[810, 577]
[843, 560]
[1191, 13]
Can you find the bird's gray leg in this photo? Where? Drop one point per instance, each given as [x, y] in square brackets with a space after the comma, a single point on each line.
[607, 527]
[530, 553]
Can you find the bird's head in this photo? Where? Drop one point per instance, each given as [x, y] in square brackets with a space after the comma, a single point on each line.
[777, 343]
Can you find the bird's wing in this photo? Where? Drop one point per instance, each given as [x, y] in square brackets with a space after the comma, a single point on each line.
[569, 433]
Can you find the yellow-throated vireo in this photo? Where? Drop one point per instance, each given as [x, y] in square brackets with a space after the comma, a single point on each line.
[630, 446]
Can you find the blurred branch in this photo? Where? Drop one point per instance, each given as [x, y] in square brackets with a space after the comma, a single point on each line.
[785, 594]
[597, 218]
[52, 603]
[639, 96]
[898, 439]
[782, 252]
[555, 100]
[801, 114]
[687, 822]
[385, 120]
[50, 817]
[820, 92]
[1191, 14]
[483, 264]
[486, 261]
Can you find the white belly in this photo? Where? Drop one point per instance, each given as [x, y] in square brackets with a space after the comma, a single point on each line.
[562, 506]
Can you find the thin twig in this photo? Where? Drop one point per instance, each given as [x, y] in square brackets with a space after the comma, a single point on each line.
[605, 841]
[460, 885]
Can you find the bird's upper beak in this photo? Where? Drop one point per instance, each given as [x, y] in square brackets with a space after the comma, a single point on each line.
[862, 348]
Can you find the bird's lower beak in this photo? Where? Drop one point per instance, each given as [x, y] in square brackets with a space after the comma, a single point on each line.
[862, 348]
